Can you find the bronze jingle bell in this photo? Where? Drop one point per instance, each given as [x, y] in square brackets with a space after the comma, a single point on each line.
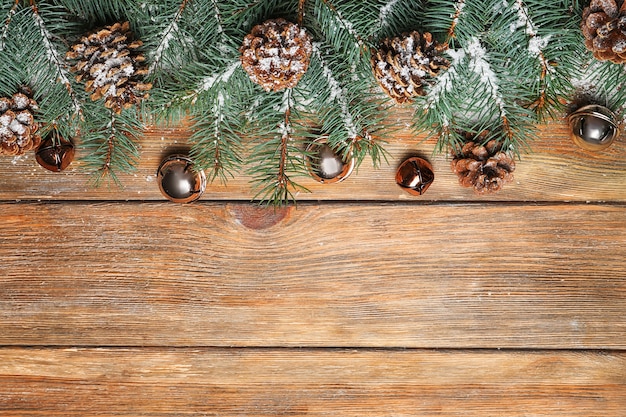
[325, 165]
[593, 127]
[415, 175]
[55, 156]
[179, 181]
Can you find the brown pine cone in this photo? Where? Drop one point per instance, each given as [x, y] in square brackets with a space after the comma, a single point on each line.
[111, 67]
[18, 128]
[403, 65]
[485, 167]
[604, 28]
[276, 54]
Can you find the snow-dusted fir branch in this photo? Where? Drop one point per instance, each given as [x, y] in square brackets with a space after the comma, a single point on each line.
[480, 66]
[385, 13]
[110, 144]
[218, 20]
[282, 182]
[219, 115]
[536, 43]
[222, 77]
[338, 94]
[536, 46]
[285, 137]
[301, 11]
[7, 23]
[459, 5]
[54, 58]
[206, 84]
[166, 37]
[445, 82]
[342, 22]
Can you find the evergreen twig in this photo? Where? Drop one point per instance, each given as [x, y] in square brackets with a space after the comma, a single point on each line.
[7, 23]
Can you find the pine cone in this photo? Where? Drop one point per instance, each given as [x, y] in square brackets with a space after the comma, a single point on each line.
[604, 28]
[18, 128]
[485, 167]
[111, 67]
[403, 65]
[276, 54]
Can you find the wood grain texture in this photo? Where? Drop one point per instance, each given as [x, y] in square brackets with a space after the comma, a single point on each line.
[556, 170]
[332, 275]
[235, 382]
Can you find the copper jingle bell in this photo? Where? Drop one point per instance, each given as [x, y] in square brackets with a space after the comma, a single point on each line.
[415, 175]
[325, 165]
[593, 127]
[55, 156]
[179, 181]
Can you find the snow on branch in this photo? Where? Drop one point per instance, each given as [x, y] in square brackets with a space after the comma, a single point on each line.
[218, 19]
[458, 10]
[344, 23]
[286, 130]
[53, 57]
[209, 82]
[166, 37]
[7, 23]
[481, 67]
[443, 83]
[536, 43]
[385, 13]
[338, 94]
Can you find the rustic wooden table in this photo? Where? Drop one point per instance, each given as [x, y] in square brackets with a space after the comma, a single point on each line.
[362, 301]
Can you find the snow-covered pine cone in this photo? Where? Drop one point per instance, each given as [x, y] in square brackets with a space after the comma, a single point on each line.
[604, 28]
[18, 128]
[485, 167]
[404, 64]
[111, 67]
[276, 54]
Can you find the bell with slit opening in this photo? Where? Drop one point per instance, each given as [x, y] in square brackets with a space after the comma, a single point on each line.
[179, 181]
[55, 153]
[593, 127]
[415, 175]
[325, 165]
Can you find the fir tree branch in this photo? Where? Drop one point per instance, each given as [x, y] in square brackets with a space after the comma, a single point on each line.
[282, 178]
[274, 157]
[481, 66]
[218, 19]
[301, 4]
[444, 82]
[55, 59]
[536, 45]
[7, 23]
[216, 133]
[337, 94]
[111, 148]
[458, 10]
[213, 79]
[385, 12]
[348, 27]
[168, 33]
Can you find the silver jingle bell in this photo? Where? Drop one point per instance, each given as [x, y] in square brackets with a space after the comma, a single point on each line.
[178, 181]
[325, 165]
[593, 127]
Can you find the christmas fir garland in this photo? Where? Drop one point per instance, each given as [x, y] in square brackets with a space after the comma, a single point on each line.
[477, 75]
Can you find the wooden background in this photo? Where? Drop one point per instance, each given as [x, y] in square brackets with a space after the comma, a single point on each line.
[362, 301]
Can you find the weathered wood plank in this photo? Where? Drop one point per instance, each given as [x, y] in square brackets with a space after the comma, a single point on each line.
[442, 275]
[555, 170]
[250, 382]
